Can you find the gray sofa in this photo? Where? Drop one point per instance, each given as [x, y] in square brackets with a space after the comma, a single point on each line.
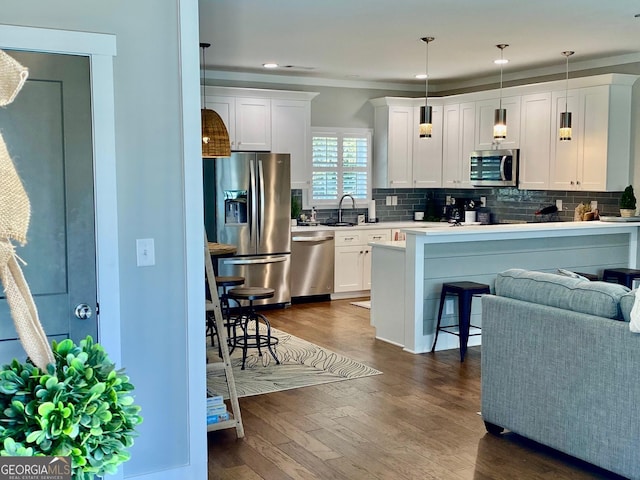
[561, 367]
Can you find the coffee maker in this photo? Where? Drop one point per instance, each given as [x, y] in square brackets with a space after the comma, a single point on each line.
[454, 212]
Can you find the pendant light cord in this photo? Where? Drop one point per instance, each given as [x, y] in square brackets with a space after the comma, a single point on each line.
[426, 80]
[501, 65]
[566, 94]
[203, 46]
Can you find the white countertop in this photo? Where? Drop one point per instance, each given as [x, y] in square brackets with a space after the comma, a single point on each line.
[469, 233]
[367, 226]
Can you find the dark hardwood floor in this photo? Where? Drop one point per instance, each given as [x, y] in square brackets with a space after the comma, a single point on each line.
[419, 420]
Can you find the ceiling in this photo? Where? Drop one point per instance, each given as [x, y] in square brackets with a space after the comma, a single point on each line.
[378, 41]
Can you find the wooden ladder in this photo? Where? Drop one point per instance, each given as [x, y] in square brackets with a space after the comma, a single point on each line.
[235, 419]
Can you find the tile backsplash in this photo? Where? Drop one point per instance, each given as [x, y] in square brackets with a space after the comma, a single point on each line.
[506, 204]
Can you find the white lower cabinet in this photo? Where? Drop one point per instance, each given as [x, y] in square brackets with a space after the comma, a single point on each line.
[352, 267]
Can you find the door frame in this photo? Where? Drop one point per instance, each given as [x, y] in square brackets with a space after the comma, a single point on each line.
[100, 48]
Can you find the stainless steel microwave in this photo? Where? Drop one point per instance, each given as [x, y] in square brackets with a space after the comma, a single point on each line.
[494, 168]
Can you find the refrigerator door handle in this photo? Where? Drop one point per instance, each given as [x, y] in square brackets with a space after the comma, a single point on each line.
[253, 261]
[261, 212]
[254, 207]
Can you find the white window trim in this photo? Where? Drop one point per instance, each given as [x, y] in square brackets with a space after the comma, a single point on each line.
[307, 201]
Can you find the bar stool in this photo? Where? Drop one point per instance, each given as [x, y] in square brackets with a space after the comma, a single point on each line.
[225, 283]
[249, 314]
[592, 277]
[465, 292]
[623, 276]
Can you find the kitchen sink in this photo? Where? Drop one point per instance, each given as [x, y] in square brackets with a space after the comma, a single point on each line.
[340, 224]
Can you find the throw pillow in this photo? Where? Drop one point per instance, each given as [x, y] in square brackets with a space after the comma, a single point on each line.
[634, 324]
[569, 273]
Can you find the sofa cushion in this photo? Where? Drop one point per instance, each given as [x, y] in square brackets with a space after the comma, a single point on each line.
[595, 298]
[626, 304]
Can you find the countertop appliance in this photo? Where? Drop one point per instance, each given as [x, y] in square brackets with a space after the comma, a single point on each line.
[494, 168]
[252, 192]
[312, 257]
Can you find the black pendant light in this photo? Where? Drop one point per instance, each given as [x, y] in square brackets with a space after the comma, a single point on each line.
[215, 137]
[426, 124]
[500, 119]
[565, 117]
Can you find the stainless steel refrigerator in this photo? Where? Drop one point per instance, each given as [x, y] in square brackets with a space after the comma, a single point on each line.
[253, 212]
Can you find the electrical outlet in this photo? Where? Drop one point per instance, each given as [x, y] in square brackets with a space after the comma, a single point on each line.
[559, 204]
[448, 307]
[387, 200]
[483, 201]
[594, 204]
[394, 200]
[448, 200]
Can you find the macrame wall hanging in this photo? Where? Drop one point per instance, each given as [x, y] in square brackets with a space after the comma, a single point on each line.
[15, 212]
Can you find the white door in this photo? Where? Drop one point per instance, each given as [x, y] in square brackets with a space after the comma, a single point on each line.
[47, 130]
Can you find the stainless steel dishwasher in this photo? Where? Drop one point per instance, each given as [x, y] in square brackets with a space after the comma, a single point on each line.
[312, 256]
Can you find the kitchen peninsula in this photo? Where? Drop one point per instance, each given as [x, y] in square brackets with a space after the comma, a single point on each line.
[407, 276]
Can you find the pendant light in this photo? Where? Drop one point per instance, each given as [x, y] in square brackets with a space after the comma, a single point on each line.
[565, 117]
[426, 124]
[500, 120]
[215, 138]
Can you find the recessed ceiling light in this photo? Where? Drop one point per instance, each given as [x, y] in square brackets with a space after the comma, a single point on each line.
[270, 65]
[421, 76]
[500, 61]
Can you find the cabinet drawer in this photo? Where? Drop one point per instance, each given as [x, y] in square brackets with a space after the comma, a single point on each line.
[351, 237]
[378, 235]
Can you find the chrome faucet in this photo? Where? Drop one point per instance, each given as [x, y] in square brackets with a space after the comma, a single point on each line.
[353, 205]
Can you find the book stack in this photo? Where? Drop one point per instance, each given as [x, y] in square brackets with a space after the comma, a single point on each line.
[216, 410]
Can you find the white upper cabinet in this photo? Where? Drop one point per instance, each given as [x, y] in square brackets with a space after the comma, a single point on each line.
[248, 120]
[401, 158]
[253, 124]
[485, 118]
[427, 151]
[268, 120]
[458, 141]
[535, 141]
[400, 147]
[291, 133]
[597, 158]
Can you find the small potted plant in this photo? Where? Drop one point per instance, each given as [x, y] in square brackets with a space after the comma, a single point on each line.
[80, 407]
[296, 210]
[628, 203]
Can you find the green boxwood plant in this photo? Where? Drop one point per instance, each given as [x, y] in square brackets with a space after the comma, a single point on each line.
[628, 199]
[81, 407]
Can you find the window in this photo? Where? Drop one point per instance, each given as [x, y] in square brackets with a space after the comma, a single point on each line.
[341, 163]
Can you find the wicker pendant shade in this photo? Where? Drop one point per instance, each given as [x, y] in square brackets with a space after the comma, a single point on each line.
[215, 137]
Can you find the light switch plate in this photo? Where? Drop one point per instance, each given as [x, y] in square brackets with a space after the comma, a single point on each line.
[594, 204]
[145, 252]
[559, 204]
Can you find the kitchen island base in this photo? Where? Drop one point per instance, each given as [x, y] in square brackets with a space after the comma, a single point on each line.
[404, 301]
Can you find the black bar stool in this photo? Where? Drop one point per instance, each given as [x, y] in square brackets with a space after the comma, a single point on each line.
[623, 276]
[224, 283]
[592, 277]
[249, 314]
[465, 292]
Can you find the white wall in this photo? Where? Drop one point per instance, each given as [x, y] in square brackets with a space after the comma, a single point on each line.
[155, 315]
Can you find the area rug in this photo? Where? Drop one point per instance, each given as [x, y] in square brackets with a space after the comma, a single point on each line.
[302, 364]
[365, 304]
